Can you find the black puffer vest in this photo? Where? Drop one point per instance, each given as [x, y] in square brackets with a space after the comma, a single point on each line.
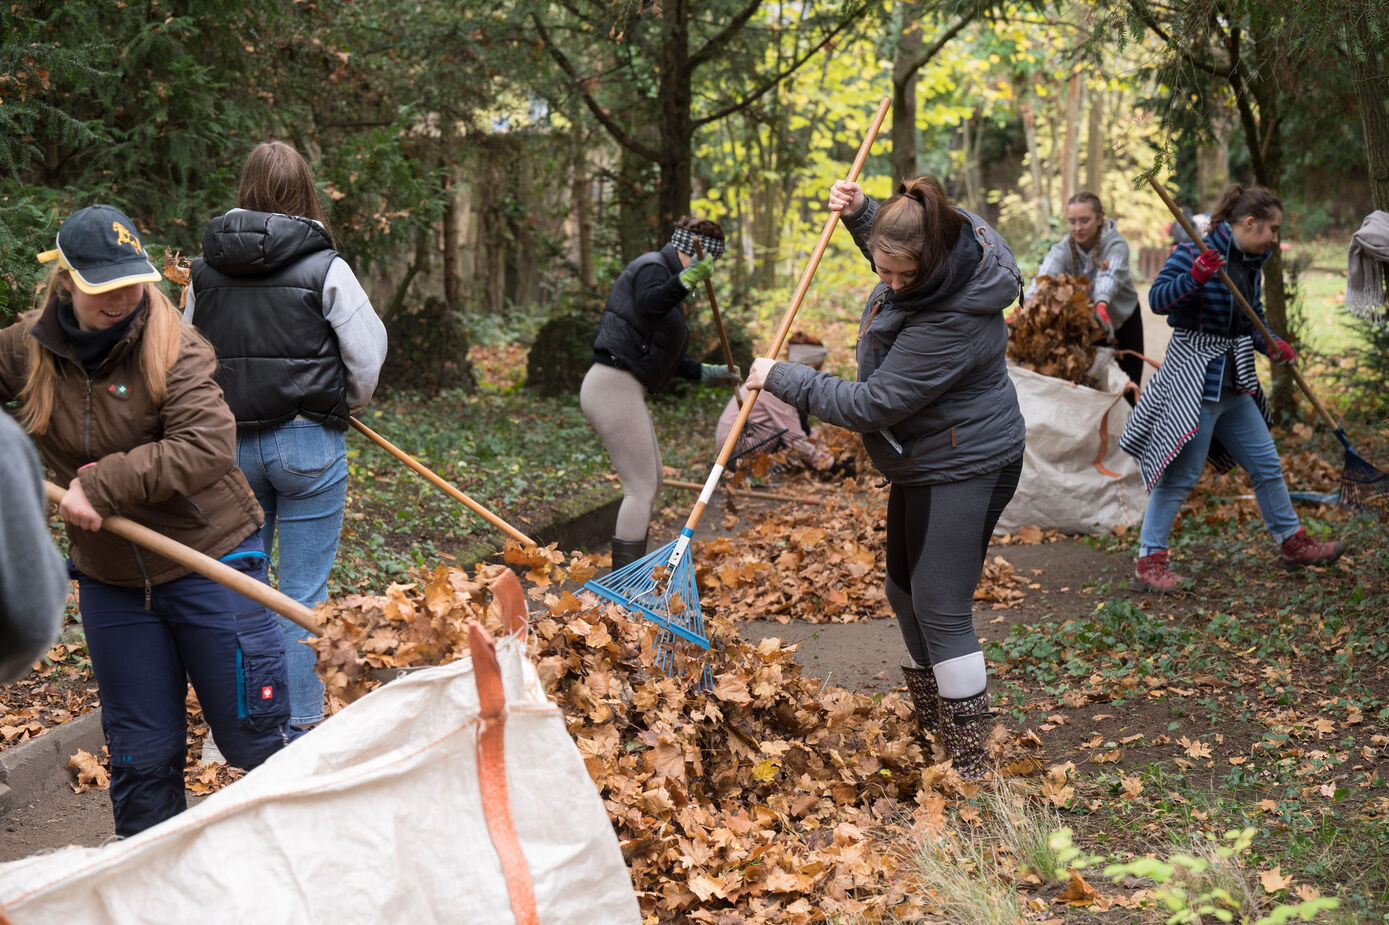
[650, 349]
[259, 298]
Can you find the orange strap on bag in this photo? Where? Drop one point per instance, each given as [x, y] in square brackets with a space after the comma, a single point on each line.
[491, 770]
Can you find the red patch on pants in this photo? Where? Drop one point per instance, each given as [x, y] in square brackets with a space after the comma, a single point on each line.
[267, 693]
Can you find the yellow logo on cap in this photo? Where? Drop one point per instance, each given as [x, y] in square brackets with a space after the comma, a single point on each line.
[125, 236]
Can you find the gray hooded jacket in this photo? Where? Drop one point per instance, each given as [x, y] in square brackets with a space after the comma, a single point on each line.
[1107, 268]
[933, 399]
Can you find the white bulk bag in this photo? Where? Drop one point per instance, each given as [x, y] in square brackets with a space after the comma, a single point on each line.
[400, 808]
[1075, 479]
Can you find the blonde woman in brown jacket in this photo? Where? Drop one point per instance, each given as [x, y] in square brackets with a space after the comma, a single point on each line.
[118, 395]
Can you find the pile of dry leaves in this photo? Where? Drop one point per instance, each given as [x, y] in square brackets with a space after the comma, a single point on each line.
[1055, 331]
[819, 563]
[766, 799]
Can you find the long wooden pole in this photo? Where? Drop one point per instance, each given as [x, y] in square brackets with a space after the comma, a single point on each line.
[440, 483]
[204, 565]
[780, 338]
[1259, 325]
[718, 322]
[745, 492]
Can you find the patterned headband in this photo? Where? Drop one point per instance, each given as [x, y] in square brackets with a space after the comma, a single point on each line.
[683, 241]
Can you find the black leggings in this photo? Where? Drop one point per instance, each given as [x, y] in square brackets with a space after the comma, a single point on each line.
[937, 538]
[1130, 337]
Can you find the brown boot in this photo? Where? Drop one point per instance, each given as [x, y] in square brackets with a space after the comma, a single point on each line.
[1300, 550]
[1154, 573]
[965, 725]
[921, 685]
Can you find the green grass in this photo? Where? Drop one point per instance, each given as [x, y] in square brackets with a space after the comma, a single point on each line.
[529, 459]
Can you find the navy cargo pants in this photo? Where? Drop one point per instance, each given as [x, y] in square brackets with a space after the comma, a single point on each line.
[232, 649]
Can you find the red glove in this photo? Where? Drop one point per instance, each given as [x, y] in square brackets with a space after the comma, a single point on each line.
[1281, 353]
[1206, 266]
[1102, 313]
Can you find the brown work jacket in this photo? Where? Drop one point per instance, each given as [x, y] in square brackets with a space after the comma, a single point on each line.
[169, 466]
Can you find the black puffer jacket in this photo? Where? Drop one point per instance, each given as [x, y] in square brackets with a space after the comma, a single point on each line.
[643, 326]
[259, 286]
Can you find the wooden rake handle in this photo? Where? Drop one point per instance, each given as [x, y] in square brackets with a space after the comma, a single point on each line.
[787, 320]
[718, 322]
[204, 565]
[1243, 303]
[440, 483]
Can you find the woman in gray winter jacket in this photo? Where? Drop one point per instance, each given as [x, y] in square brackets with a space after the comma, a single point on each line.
[940, 420]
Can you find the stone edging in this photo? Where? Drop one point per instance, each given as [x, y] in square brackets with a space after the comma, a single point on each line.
[39, 766]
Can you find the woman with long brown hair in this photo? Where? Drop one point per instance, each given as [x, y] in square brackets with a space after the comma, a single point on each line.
[940, 420]
[118, 395]
[299, 349]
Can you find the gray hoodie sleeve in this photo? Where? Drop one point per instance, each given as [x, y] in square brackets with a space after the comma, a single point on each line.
[33, 579]
[1109, 278]
[860, 223]
[932, 352]
[1055, 263]
[361, 335]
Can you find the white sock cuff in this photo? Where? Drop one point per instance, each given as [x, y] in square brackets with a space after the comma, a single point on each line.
[962, 677]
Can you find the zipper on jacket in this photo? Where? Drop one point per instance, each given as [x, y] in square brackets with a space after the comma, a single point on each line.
[87, 423]
[144, 573]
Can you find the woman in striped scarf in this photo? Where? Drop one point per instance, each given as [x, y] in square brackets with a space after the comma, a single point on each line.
[1205, 402]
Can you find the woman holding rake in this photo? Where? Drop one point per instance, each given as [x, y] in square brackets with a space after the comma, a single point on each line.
[940, 419]
[119, 396]
[639, 349]
[1205, 402]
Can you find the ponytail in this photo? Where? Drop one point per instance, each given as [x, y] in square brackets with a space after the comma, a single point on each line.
[917, 223]
[1240, 201]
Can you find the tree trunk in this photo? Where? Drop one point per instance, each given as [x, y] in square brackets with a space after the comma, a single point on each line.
[904, 74]
[674, 99]
[1070, 154]
[1370, 88]
[1034, 161]
[635, 205]
[452, 248]
[583, 212]
[1094, 144]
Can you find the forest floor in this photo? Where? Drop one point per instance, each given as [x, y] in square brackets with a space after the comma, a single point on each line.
[1161, 726]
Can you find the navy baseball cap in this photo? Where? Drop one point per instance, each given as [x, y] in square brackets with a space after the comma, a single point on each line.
[99, 247]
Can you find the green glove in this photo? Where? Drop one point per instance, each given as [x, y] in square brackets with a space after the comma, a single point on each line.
[709, 372]
[696, 273]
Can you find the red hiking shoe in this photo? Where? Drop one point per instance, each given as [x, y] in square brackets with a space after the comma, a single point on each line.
[1300, 549]
[1154, 573]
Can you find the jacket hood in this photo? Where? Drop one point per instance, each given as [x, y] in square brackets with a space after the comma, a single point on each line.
[245, 243]
[980, 277]
[1109, 233]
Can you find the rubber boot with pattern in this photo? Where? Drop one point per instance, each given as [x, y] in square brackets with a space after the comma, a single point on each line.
[965, 726]
[921, 685]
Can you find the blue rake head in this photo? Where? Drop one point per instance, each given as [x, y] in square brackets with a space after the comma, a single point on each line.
[660, 587]
[1364, 488]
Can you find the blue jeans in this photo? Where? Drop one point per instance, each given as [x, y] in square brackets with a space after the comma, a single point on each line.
[1236, 421]
[193, 629]
[298, 471]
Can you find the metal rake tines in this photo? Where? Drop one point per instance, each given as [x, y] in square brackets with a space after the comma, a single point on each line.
[755, 438]
[1364, 488]
[653, 590]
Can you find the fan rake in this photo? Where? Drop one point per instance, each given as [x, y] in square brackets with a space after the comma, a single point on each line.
[660, 587]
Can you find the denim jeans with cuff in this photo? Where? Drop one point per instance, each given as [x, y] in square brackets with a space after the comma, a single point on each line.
[1236, 421]
[298, 471]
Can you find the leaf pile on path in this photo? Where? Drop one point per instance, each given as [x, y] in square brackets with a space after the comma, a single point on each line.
[1055, 330]
[61, 689]
[818, 563]
[766, 800]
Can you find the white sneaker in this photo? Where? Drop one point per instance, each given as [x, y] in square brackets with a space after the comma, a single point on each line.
[211, 753]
